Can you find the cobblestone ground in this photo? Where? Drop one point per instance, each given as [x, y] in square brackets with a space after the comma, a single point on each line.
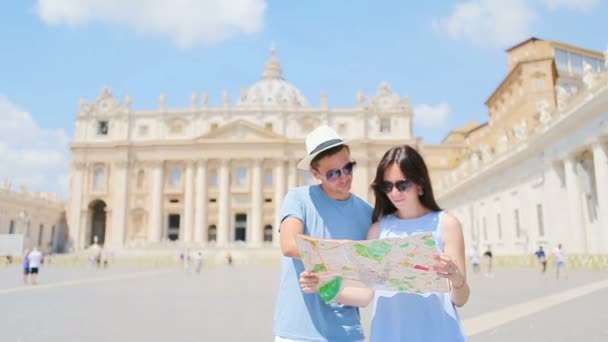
[222, 303]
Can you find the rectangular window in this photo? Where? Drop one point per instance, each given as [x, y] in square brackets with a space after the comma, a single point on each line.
[268, 126]
[561, 59]
[102, 128]
[539, 213]
[143, 130]
[385, 125]
[517, 228]
[268, 179]
[539, 84]
[11, 228]
[213, 178]
[100, 178]
[241, 176]
[576, 63]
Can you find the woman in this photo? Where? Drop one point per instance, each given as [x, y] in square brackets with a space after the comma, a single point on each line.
[405, 205]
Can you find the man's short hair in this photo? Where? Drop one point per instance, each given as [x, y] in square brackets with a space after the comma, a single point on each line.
[327, 153]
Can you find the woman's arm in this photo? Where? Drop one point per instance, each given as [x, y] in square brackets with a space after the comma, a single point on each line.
[451, 264]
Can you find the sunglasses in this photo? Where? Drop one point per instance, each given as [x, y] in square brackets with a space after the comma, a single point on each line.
[401, 185]
[335, 174]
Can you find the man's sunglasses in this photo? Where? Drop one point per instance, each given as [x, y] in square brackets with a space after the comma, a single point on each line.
[401, 185]
[335, 174]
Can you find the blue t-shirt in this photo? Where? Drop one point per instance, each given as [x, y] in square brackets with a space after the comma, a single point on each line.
[302, 316]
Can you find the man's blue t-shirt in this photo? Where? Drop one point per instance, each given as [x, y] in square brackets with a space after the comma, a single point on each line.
[302, 316]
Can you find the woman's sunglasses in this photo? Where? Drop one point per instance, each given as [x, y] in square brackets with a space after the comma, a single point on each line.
[401, 185]
[335, 174]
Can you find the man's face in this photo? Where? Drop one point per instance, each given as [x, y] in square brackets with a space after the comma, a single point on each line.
[328, 167]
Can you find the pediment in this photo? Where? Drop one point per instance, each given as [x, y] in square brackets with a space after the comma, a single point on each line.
[241, 130]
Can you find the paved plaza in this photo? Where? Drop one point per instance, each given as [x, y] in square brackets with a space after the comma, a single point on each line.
[223, 303]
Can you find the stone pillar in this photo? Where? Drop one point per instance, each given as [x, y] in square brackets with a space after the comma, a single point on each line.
[200, 217]
[292, 174]
[156, 213]
[76, 205]
[279, 194]
[551, 195]
[363, 180]
[600, 165]
[188, 205]
[224, 225]
[256, 203]
[577, 226]
[120, 203]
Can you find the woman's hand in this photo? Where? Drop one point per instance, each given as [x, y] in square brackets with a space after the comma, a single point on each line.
[447, 268]
[309, 282]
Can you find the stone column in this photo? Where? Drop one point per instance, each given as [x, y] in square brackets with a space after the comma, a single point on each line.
[120, 203]
[200, 216]
[292, 174]
[156, 213]
[577, 226]
[188, 205]
[362, 179]
[256, 203]
[224, 225]
[76, 205]
[279, 193]
[600, 165]
[552, 213]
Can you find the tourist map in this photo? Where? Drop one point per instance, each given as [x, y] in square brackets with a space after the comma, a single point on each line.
[391, 264]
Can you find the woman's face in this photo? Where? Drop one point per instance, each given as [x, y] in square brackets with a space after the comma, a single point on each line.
[399, 190]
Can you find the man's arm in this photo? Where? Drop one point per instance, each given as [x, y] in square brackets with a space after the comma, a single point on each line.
[290, 227]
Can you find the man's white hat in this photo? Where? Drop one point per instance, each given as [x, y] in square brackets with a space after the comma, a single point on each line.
[319, 140]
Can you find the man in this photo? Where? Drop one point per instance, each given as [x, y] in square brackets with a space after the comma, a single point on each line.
[34, 260]
[327, 210]
[542, 259]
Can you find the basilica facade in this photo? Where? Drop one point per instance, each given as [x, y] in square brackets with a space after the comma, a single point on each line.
[212, 176]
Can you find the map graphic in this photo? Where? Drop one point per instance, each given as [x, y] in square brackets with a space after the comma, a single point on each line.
[392, 264]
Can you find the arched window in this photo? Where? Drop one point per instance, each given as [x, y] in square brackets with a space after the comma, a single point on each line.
[268, 233]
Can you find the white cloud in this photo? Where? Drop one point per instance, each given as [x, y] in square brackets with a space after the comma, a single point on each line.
[30, 155]
[578, 5]
[431, 116]
[187, 22]
[494, 22]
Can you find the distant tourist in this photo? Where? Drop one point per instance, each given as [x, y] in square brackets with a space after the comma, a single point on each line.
[560, 260]
[542, 259]
[229, 259]
[199, 262]
[489, 262]
[26, 266]
[475, 261]
[35, 260]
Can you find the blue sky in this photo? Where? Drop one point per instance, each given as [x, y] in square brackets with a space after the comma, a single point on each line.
[446, 56]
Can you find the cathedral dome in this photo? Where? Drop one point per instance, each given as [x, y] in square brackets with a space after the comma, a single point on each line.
[272, 89]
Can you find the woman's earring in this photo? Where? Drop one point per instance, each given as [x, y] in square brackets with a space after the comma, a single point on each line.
[420, 192]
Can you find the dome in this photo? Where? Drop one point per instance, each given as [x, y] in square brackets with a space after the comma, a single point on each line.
[272, 89]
